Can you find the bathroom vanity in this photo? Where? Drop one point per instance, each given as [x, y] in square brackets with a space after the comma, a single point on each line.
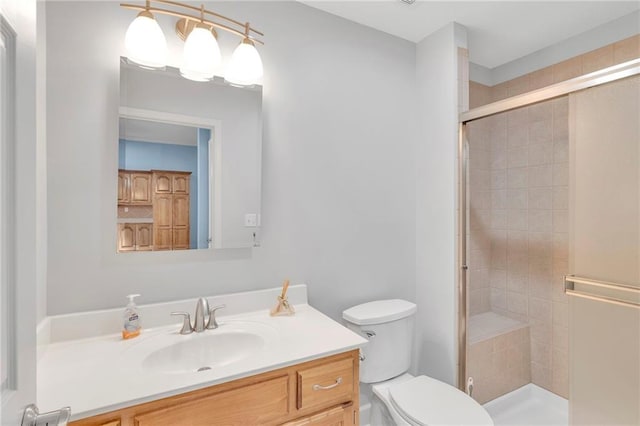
[253, 369]
[319, 392]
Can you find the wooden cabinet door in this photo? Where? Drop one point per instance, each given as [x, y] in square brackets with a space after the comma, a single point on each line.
[259, 403]
[144, 236]
[181, 240]
[123, 187]
[140, 184]
[181, 211]
[163, 211]
[162, 183]
[162, 239]
[162, 222]
[180, 184]
[126, 237]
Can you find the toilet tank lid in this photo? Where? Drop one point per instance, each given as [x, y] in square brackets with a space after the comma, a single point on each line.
[379, 312]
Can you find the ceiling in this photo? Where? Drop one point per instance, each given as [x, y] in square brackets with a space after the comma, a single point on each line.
[156, 132]
[498, 31]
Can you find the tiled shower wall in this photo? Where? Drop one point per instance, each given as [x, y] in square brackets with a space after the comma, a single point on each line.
[518, 236]
[518, 224]
[479, 217]
[529, 235]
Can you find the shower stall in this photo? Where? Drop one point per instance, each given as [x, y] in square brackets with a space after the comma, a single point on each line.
[549, 248]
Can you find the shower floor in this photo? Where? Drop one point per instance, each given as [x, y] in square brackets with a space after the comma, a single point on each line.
[530, 405]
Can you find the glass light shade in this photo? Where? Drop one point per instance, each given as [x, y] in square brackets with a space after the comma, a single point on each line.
[245, 67]
[201, 56]
[145, 43]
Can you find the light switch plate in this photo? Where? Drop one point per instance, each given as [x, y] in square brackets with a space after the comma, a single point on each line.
[250, 220]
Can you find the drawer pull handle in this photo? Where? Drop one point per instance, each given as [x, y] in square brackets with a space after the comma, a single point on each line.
[318, 387]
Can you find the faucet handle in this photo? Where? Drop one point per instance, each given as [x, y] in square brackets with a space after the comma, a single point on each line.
[213, 324]
[186, 323]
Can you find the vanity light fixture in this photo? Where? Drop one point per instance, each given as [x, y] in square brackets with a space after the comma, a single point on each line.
[245, 66]
[146, 46]
[144, 41]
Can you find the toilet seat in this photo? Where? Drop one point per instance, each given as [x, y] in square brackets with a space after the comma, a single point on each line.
[425, 401]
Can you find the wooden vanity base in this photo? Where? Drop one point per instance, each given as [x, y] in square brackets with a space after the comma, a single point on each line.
[322, 392]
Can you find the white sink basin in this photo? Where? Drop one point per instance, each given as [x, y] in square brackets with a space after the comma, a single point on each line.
[231, 342]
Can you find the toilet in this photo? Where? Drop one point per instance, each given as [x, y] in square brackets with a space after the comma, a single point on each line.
[400, 398]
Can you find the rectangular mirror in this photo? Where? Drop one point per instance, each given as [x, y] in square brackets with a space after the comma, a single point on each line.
[188, 163]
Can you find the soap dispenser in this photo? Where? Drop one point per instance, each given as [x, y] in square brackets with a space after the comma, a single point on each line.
[131, 327]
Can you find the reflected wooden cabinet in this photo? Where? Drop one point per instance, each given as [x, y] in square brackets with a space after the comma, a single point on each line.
[171, 211]
[126, 237]
[135, 237]
[287, 396]
[124, 179]
[167, 192]
[144, 236]
[162, 182]
[180, 184]
[140, 188]
[134, 188]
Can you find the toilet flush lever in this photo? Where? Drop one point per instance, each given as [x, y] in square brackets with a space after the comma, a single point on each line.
[369, 334]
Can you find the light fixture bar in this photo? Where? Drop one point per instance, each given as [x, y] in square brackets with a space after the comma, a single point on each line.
[241, 33]
[210, 12]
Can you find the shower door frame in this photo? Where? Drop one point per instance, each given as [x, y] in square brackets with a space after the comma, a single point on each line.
[606, 75]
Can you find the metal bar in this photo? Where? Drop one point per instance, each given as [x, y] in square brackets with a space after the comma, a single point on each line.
[462, 257]
[186, 16]
[602, 284]
[210, 12]
[569, 289]
[606, 299]
[616, 72]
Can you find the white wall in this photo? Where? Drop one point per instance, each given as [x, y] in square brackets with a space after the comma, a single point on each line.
[25, 183]
[41, 159]
[437, 87]
[338, 196]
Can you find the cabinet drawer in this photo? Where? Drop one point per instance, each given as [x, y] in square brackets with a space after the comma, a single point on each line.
[254, 404]
[325, 384]
[336, 416]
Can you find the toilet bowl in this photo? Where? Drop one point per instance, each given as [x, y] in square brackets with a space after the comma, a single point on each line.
[422, 400]
[400, 398]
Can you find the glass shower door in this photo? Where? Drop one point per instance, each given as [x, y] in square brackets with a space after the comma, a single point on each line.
[604, 225]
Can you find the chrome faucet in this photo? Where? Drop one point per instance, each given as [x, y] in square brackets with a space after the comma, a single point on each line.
[202, 309]
[205, 318]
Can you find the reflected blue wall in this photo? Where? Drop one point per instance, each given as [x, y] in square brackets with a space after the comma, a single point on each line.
[134, 155]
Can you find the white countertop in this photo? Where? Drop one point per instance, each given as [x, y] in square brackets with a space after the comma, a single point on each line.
[135, 220]
[102, 374]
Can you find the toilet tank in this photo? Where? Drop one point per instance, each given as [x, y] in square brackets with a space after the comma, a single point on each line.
[388, 325]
